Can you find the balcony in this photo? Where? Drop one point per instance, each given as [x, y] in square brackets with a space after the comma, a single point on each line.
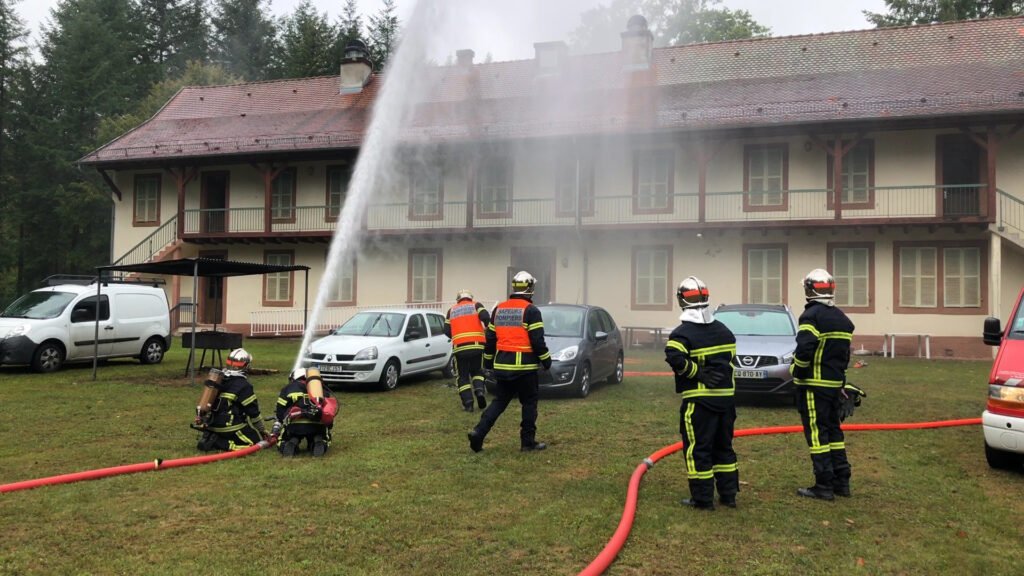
[926, 204]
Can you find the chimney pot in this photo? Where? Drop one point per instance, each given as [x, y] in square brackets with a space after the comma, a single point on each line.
[550, 56]
[637, 42]
[464, 57]
[356, 67]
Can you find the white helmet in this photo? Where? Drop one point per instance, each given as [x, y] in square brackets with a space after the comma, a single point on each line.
[238, 359]
[298, 374]
[819, 285]
[522, 283]
[463, 295]
[692, 293]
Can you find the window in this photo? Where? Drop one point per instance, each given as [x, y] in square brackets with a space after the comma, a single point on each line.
[277, 286]
[652, 276]
[853, 266]
[424, 275]
[146, 211]
[85, 310]
[282, 196]
[416, 325]
[940, 277]
[918, 286]
[606, 319]
[858, 178]
[765, 270]
[342, 291]
[426, 189]
[338, 178]
[653, 181]
[436, 323]
[961, 279]
[494, 186]
[766, 177]
[574, 176]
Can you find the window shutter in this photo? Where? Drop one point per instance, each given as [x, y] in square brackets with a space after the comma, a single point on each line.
[929, 282]
[908, 277]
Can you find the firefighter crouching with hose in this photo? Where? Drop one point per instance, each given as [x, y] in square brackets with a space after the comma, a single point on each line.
[228, 413]
[305, 411]
[700, 351]
[464, 324]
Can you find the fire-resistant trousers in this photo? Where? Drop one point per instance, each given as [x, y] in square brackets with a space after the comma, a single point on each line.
[707, 449]
[819, 413]
[469, 364]
[527, 388]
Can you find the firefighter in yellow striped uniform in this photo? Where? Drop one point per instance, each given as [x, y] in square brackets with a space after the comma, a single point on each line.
[819, 372]
[700, 351]
[464, 324]
[235, 422]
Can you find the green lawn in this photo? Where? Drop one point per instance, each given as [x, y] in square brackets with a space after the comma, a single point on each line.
[401, 493]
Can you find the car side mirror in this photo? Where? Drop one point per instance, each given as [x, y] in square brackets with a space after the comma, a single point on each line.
[83, 315]
[992, 334]
[600, 336]
[413, 334]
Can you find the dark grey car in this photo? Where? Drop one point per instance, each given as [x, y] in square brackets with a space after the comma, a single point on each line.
[585, 345]
[765, 341]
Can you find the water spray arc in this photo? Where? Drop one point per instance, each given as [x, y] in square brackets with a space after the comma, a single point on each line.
[393, 111]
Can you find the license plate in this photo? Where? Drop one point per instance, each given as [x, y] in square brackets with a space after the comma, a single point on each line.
[758, 374]
[331, 368]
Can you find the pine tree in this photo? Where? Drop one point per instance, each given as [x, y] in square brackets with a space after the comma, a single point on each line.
[245, 39]
[348, 28]
[905, 12]
[13, 64]
[307, 43]
[176, 31]
[383, 34]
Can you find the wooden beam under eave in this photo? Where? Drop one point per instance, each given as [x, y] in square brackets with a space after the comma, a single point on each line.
[110, 182]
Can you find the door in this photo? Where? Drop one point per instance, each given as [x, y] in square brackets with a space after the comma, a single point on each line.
[961, 173]
[440, 345]
[213, 203]
[211, 294]
[418, 350]
[603, 359]
[83, 328]
[541, 263]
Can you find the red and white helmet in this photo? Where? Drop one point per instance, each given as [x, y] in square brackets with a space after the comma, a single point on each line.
[819, 285]
[692, 293]
[238, 359]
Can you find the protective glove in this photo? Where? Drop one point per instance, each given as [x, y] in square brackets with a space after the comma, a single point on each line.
[710, 378]
[547, 363]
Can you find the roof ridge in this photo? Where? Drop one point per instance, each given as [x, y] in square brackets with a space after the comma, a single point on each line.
[270, 81]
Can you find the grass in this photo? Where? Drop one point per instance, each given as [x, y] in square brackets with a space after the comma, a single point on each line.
[400, 492]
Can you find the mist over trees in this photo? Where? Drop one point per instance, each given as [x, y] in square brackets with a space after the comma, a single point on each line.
[672, 22]
[906, 12]
[102, 67]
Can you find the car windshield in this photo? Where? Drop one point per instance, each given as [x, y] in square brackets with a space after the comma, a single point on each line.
[39, 305]
[562, 321]
[756, 322]
[382, 324]
[1017, 324]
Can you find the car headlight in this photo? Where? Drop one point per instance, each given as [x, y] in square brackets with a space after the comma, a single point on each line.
[787, 358]
[18, 330]
[566, 354]
[367, 354]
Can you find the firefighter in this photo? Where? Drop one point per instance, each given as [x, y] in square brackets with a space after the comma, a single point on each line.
[819, 372]
[304, 412]
[465, 324]
[700, 351]
[234, 420]
[514, 351]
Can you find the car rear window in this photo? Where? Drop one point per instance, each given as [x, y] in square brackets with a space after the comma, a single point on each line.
[756, 322]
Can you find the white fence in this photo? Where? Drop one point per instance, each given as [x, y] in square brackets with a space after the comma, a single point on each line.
[289, 322]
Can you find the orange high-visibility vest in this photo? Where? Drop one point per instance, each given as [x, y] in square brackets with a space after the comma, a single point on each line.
[509, 327]
[465, 322]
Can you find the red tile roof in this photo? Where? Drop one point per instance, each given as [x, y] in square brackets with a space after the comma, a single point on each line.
[962, 68]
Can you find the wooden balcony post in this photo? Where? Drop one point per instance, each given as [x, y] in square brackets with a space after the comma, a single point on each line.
[269, 173]
[991, 151]
[181, 179]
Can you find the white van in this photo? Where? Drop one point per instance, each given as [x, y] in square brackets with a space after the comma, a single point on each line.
[50, 326]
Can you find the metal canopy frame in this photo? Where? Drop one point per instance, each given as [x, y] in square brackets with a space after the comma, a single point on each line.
[196, 268]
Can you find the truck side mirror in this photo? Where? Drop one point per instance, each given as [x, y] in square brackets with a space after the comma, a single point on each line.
[992, 333]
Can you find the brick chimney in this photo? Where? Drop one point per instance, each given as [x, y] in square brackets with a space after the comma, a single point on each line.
[637, 42]
[550, 57]
[464, 57]
[356, 67]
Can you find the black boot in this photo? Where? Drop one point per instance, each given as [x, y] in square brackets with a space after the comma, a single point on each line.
[535, 447]
[207, 442]
[290, 447]
[841, 490]
[468, 407]
[729, 501]
[818, 492]
[476, 441]
[319, 446]
[481, 399]
[699, 505]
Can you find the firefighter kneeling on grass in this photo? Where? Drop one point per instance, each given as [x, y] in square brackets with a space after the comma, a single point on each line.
[305, 411]
[465, 324]
[700, 351]
[228, 413]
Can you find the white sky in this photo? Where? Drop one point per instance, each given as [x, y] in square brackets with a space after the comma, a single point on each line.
[508, 28]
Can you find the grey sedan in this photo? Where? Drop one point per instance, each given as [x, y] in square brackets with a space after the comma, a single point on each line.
[765, 341]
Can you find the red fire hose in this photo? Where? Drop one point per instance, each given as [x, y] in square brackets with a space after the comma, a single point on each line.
[611, 550]
[157, 464]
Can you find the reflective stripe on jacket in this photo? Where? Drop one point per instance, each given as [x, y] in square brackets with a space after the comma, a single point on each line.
[692, 348]
[515, 338]
[467, 329]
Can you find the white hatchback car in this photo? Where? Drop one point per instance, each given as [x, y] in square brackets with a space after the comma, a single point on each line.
[382, 346]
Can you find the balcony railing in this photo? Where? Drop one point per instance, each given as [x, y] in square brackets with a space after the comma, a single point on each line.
[1011, 214]
[926, 203]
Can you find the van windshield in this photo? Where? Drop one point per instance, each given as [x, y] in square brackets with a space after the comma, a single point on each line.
[1017, 324]
[39, 305]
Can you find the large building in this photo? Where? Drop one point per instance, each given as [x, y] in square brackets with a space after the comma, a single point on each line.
[891, 157]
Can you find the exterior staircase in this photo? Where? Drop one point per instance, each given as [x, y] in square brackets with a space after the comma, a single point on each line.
[1010, 219]
[158, 246]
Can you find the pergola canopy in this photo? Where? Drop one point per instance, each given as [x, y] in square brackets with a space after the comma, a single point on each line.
[204, 267]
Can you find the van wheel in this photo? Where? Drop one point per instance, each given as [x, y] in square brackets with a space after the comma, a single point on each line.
[49, 357]
[1000, 459]
[152, 351]
[389, 375]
